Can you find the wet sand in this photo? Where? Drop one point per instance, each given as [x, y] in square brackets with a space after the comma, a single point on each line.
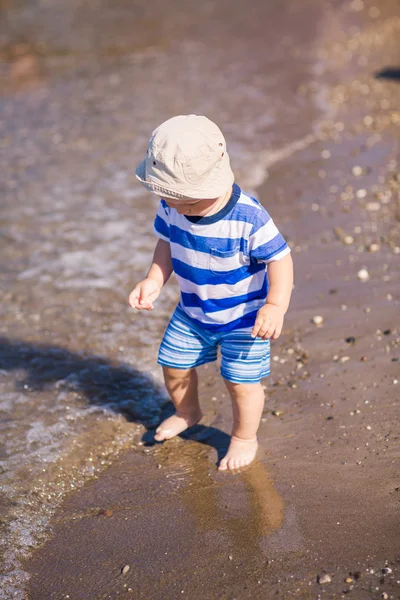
[323, 496]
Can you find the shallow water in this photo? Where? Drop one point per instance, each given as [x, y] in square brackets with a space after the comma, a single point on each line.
[83, 90]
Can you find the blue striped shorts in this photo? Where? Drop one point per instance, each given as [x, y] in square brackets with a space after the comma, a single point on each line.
[185, 345]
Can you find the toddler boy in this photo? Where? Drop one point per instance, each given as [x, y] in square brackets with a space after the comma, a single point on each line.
[218, 241]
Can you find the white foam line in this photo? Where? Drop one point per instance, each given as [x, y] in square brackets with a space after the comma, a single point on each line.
[259, 174]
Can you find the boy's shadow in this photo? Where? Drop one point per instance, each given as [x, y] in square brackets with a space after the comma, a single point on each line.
[121, 388]
[210, 436]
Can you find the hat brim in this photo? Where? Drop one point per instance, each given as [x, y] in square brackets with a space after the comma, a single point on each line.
[214, 187]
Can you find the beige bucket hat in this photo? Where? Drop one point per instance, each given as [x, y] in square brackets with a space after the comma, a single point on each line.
[186, 158]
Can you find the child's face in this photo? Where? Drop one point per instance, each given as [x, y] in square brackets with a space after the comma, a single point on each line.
[194, 208]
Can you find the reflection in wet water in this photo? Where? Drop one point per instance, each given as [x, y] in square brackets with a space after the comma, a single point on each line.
[242, 507]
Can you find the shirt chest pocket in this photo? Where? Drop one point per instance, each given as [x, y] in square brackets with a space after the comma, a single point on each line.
[225, 260]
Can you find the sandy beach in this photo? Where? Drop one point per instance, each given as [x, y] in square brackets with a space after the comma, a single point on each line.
[98, 510]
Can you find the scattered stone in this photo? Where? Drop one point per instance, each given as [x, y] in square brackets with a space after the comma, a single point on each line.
[349, 580]
[387, 332]
[343, 236]
[363, 359]
[363, 274]
[386, 570]
[325, 154]
[350, 340]
[373, 206]
[125, 569]
[357, 171]
[324, 578]
[385, 596]
[329, 418]
[106, 512]
[361, 193]
[344, 359]
[317, 320]
[277, 413]
[373, 248]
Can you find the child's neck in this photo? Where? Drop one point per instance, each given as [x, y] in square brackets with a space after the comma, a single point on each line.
[219, 203]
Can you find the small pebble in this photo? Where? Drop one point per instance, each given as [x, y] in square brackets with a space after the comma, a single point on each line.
[349, 580]
[348, 239]
[363, 274]
[373, 206]
[361, 193]
[386, 570]
[385, 596]
[277, 413]
[350, 340]
[324, 578]
[125, 569]
[373, 248]
[317, 320]
[344, 359]
[357, 171]
[363, 359]
[230, 557]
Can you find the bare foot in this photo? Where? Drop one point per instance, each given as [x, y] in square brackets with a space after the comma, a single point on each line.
[240, 453]
[175, 425]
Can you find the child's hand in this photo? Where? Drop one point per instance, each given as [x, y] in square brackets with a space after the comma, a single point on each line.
[144, 294]
[269, 322]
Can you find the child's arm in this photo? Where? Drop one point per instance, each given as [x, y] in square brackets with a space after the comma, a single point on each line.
[148, 290]
[269, 320]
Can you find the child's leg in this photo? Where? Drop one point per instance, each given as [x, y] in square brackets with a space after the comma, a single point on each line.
[182, 388]
[247, 404]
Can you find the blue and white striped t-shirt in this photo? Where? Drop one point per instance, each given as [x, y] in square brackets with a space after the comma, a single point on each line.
[220, 260]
